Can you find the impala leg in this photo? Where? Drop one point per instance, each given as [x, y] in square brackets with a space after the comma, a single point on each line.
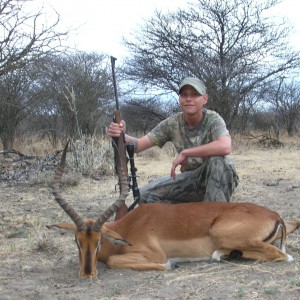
[226, 254]
[243, 235]
[262, 251]
[135, 261]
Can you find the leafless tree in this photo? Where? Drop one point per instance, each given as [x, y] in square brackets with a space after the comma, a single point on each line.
[285, 100]
[25, 36]
[76, 88]
[143, 114]
[231, 45]
[14, 87]
[25, 39]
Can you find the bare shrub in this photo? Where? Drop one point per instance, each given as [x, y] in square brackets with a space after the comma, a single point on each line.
[44, 243]
[263, 140]
[91, 157]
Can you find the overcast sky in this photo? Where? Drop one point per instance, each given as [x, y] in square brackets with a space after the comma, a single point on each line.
[102, 23]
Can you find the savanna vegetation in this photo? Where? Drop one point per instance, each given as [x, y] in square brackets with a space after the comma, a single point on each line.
[37, 263]
[50, 93]
[241, 53]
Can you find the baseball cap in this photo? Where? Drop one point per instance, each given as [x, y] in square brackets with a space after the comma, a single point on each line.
[196, 83]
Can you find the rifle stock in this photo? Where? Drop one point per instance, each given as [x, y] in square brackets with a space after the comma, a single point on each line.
[119, 146]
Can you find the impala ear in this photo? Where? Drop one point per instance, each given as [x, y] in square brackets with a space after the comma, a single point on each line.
[63, 228]
[113, 237]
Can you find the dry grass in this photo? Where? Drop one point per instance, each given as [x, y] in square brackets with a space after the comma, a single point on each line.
[39, 264]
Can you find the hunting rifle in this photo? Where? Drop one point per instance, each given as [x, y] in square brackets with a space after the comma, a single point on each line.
[120, 147]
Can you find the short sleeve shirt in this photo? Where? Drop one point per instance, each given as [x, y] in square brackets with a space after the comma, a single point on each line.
[174, 129]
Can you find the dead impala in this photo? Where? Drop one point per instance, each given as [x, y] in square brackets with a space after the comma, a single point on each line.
[156, 236]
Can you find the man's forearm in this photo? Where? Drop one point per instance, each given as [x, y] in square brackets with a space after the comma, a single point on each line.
[140, 144]
[215, 148]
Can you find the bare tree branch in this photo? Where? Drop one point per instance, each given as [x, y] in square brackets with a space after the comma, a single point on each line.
[231, 45]
[25, 37]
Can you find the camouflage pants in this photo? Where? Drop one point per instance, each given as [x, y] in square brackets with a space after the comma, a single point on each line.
[214, 180]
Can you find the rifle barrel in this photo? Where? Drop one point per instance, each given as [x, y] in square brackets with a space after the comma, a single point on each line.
[113, 61]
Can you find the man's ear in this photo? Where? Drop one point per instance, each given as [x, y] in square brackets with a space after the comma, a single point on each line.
[63, 228]
[113, 237]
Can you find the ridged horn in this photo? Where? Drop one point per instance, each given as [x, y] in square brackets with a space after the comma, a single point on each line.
[120, 201]
[70, 211]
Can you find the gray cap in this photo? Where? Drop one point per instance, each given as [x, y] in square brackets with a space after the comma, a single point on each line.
[196, 83]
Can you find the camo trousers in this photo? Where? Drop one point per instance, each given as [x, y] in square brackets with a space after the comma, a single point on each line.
[214, 180]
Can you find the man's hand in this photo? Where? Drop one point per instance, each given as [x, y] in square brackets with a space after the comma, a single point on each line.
[179, 160]
[115, 129]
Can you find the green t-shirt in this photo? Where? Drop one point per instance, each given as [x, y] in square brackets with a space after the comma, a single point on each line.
[174, 129]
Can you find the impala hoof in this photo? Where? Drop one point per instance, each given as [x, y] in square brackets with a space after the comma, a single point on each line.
[235, 254]
[174, 265]
[171, 265]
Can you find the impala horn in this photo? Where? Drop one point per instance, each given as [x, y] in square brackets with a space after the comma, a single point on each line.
[124, 191]
[70, 211]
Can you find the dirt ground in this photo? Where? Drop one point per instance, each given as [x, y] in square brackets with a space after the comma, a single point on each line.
[38, 264]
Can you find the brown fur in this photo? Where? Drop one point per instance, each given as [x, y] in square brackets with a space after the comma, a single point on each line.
[151, 234]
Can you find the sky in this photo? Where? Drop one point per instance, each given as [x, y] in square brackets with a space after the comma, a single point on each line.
[101, 24]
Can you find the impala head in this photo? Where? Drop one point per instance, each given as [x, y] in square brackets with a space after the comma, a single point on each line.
[88, 234]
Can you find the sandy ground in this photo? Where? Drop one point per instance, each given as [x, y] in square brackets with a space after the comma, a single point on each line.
[38, 264]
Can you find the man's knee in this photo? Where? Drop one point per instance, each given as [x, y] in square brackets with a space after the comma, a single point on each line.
[221, 175]
[216, 161]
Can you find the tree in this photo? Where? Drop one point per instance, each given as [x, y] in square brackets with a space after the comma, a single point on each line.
[25, 37]
[76, 87]
[231, 45]
[285, 100]
[143, 114]
[13, 104]
[291, 106]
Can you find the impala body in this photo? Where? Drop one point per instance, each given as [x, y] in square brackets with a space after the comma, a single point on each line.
[156, 233]
[156, 236]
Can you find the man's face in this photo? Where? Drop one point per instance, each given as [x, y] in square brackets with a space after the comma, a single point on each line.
[191, 101]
